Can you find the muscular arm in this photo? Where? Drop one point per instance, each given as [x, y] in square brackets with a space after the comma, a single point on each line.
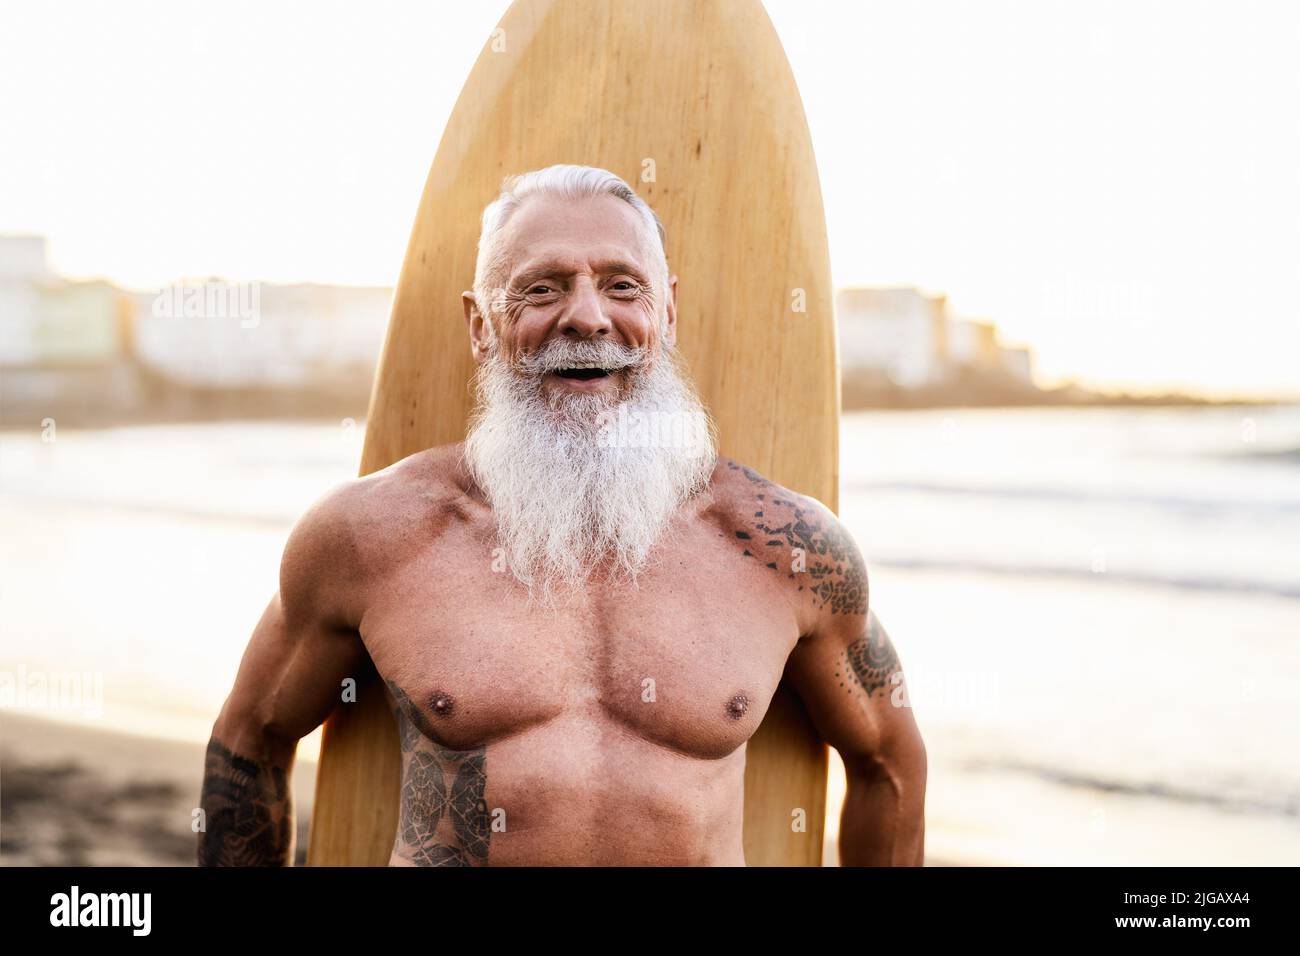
[288, 682]
[848, 675]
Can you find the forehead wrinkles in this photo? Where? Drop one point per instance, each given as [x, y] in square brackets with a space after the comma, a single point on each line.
[546, 214]
[598, 227]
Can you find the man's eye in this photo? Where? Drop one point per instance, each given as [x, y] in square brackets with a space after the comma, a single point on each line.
[625, 284]
[539, 290]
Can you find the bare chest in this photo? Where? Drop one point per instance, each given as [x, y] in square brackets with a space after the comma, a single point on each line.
[689, 659]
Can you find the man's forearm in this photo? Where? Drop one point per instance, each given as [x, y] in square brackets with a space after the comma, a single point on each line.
[883, 822]
[247, 811]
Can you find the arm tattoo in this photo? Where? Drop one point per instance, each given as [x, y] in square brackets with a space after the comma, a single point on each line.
[247, 811]
[871, 659]
[443, 819]
[836, 573]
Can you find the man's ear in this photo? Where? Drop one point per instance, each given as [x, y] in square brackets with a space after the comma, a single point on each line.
[477, 325]
[670, 331]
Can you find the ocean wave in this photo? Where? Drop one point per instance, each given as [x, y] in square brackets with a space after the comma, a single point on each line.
[1232, 798]
[267, 519]
[1187, 505]
[1136, 577]
[1275, 456]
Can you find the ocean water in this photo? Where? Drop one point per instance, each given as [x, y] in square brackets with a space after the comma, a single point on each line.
[1099, 615]
[1098, 610]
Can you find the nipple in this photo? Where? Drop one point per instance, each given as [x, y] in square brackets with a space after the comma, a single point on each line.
[441, 705]
[737, 706]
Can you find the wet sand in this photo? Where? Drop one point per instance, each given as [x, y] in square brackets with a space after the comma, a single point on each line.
[72, 795]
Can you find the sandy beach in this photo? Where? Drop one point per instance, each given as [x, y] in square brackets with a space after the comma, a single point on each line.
[72, 795]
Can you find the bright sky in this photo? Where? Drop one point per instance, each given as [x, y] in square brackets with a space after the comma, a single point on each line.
[1116, 184]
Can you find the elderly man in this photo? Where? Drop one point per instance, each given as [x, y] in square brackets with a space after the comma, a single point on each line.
[579, 630]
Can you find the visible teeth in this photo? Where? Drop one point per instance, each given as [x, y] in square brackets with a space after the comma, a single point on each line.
[585, 373]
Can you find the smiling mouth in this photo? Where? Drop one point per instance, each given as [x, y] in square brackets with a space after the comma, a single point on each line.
[582, 374]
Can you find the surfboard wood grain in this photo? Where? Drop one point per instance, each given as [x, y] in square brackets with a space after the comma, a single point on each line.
[693, 103]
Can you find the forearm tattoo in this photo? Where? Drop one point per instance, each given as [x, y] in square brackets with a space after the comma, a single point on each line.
[837, 577]
[870, 661]
[443, 819]
[247, 811]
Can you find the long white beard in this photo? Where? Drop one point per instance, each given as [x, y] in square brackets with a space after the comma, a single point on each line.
[578, 484]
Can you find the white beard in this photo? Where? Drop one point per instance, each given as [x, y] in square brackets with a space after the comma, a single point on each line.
[574, 484]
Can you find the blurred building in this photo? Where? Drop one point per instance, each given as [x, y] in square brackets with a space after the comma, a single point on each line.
[231, 335]
[211, 333]
[88, 350]
[46, 320]
[973, 345]
[1019, 364]
[23, 258]
[911, 341]
[899, 332]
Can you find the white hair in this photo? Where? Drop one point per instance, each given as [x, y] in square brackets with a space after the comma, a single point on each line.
[565, 181]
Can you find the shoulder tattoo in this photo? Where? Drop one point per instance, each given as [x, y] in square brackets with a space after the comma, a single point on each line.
[791, 537]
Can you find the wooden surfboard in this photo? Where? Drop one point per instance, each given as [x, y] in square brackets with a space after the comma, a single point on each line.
[693, 103]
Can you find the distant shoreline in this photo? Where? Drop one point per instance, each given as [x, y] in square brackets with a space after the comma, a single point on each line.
[922, 402]
[99, 397]
[864, 390]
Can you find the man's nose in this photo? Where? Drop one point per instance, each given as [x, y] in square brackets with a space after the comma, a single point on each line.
[585, 317]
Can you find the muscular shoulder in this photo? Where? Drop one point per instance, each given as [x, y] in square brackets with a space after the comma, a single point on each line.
[794, 536]
[357, 529]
